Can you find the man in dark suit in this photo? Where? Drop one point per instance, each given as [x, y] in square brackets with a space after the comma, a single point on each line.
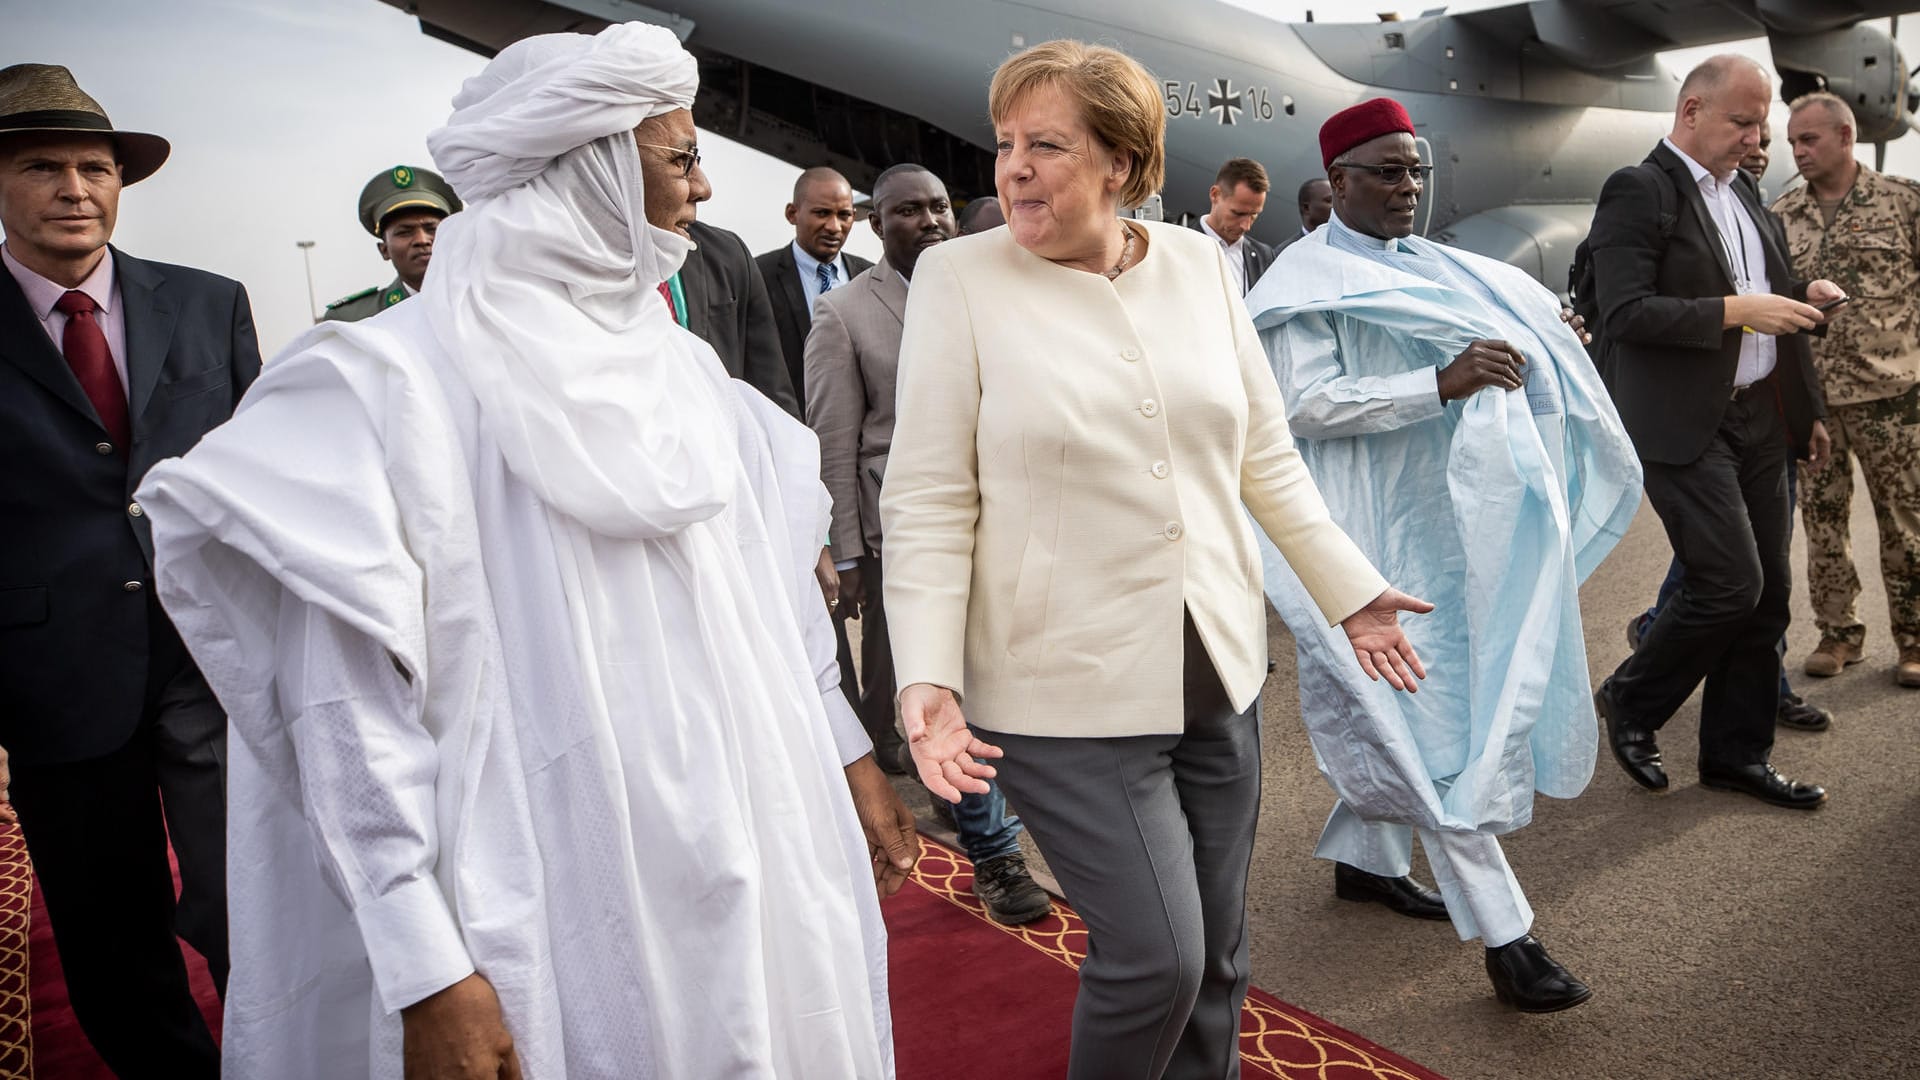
[108, 364]
[1691, 308]
[727, 307]
[1316, 206]
[1237, 198]
[821, 214]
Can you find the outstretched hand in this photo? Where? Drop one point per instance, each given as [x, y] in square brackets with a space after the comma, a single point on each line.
[943, 748]
[1381, 645]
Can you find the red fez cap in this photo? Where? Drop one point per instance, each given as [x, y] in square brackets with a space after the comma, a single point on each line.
[1349, 128]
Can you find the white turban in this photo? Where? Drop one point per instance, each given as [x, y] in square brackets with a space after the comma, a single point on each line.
[544, 289]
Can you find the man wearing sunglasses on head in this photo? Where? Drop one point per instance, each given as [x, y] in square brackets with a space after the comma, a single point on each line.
[1440, 400]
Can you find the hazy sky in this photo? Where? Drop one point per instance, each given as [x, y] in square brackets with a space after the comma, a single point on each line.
[280, 110]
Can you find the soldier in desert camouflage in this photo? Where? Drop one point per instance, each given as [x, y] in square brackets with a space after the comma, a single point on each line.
[1861, 229]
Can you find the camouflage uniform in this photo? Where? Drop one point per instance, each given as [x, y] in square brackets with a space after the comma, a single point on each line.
[1869, 365]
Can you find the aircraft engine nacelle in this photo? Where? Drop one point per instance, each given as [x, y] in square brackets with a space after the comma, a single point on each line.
[1860, 64]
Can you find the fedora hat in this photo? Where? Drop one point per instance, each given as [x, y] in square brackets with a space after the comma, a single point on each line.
[44, 97]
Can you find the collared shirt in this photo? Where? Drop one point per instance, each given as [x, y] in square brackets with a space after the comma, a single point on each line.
[1871, 248]
[810, 274]
[1236, 254]
[101, 285]
[1739, 236]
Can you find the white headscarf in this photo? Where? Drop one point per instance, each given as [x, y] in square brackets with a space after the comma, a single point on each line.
[540, 288]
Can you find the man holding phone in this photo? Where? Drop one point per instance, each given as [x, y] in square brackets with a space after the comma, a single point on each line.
[1862, 229]
[1698, 315]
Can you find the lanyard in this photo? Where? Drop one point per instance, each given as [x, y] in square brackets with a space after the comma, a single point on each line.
[1746, 273]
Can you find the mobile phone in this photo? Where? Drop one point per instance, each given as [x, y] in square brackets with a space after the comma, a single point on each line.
[1831, 304]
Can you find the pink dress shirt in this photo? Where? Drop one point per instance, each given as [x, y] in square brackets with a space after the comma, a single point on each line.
[101, 285]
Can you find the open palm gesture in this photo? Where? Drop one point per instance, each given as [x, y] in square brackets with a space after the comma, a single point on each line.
[1381, 645]
[943, 747]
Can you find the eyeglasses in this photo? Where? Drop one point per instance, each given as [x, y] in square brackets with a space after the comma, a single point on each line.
[687, 159]
[1392, 174]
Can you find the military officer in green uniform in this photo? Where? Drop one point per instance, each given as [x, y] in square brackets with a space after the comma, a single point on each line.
[1860, 228]
[402, 208]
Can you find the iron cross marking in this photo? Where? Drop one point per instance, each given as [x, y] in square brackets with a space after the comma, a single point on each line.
[1223, 100]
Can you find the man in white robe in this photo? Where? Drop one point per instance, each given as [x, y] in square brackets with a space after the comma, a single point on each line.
[540, 766]
[1464, 441]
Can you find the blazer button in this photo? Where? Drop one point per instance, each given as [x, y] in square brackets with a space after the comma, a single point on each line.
[1129, 353]
[103, 448]
[1160, 470]
[133, 510]
[1149, 408]
[131, 586]
[1174, 530]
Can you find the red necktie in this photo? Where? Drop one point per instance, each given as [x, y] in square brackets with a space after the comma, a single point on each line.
[666, 293]
[85, 347]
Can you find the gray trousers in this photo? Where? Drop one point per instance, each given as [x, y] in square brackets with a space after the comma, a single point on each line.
[1150, 837]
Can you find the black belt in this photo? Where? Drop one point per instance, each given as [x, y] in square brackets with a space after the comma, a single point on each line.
[1742, 393]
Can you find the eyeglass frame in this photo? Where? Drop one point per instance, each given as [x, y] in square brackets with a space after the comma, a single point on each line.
[1420, 173]
[692, 154]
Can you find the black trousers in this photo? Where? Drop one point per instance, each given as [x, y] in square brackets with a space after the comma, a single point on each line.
[1727, 516]
[97, 831]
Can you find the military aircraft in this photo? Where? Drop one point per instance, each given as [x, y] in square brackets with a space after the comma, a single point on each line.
[1524, 109]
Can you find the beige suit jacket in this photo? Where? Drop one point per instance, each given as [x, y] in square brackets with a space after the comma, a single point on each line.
[852, 352]
[1069, 464]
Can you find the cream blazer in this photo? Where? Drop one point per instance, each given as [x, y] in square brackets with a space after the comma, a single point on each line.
[1069, 462]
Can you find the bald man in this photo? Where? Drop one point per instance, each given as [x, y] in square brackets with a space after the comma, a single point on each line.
[1717, 409]
[821, 214]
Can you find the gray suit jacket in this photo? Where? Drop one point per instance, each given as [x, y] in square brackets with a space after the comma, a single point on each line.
[852, 354]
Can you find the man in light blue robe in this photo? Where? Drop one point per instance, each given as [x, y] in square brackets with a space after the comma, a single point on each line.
[1461, 436]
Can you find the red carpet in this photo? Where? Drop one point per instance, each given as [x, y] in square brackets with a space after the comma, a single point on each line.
[944, 952]
[39, 1036]
[945, 955]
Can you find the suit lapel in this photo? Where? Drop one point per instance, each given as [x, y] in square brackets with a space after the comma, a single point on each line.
[890, 289]
[149, 318]
[1689, 190]
[789, 285]
[1779, 274]
[24, 342]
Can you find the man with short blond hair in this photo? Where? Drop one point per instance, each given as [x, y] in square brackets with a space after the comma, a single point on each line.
[1237, 198]
[1861, 228]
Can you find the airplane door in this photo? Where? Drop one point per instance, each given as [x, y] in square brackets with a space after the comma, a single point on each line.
[1431, 193]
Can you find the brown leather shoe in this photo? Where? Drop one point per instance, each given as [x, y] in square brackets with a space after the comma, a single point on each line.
[1907, 672]
[1831, 658]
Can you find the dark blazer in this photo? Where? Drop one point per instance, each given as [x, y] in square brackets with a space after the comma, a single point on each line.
[1255, 256]
[727, 307]
[77, 617]
[790, 312]
[1668, 363]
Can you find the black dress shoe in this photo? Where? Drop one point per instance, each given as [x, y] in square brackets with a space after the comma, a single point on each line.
[1633, 747]
[1795, 713]
[1401, 894]
[1527, 979]
[1763, 783]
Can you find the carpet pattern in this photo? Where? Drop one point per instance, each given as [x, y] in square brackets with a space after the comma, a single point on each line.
[1276, 1039]
[16, 1006]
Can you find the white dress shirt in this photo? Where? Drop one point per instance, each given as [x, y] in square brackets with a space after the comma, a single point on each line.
[1236, 254]
[809, 268]
[1739, 237]
[42, 294]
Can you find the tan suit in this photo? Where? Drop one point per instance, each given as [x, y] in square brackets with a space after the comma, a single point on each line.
[852, 353]
[1068, 470]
